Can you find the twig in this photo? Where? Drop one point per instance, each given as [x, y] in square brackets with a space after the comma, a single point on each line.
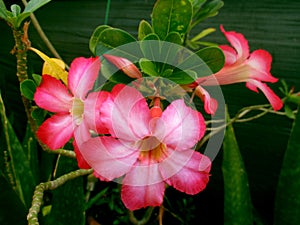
[37, 201]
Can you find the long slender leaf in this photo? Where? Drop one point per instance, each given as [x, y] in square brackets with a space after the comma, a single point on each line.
[237, 200]
[22, 174]
[34, 5]
[3, 13]
[287, 203]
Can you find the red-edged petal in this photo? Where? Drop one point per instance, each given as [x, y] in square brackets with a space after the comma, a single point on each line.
[143, 186]
[260, 61]
[125, 65]
[82, 164]
[109, 157]
[187, 171]
[274, 100]
[126, 114]
[210, 104]
[230, 54]
[52, 95]
[56, 131]
[239, 42]
[92, 106]
[180, 126]
[82, 75]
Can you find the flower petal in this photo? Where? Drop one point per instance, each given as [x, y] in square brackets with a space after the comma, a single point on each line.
[56, 131]
[126, 114]
[92, 106]
[143, 186]
[187, 171]
[109, 157]
[230, 54]
[82, 164]
[82, 75]
[239, 42]
[210, 104]
[260, 61]
[52, 95]
[180, 126]
[274, 100]
[125, 65]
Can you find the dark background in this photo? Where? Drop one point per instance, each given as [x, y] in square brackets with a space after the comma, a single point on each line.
[268, 24]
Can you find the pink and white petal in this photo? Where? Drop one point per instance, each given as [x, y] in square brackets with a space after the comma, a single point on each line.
[210, 104]
[143, 186]
[180, 126]
[53, 95]
[260, 62]
[239, 42]
[56, 131]
[137, 197]
[127, 115]
[92, 106]
[109, 157]
[82, 164]
[187, 171]
[82, 133]
[230, 54]
[274, 100]
[82, 75]
[125, 65]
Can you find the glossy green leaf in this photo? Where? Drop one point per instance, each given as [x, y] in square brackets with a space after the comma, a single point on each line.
[171, 16]
[148, 67]
[37, 79]
[182, 77]
[237, 199]
[287, 203]
[28, 88]
[174, 37]
[111, 38]
[3, 13]
[20, 166]
[151, 47]
[95, 38]
[213, 57]
[34, 5]
[68, 199]
[209, 9]
[144, 29]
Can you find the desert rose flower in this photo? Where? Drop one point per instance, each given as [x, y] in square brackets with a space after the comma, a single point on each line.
[149, 147]
[241, 66]
[73, 108]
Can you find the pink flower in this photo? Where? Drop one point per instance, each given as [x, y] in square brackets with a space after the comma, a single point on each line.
[125, 65]
[241, 66]
[151, 148]
[73, 107]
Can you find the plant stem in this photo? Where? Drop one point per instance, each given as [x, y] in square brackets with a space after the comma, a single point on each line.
[144, 220]
[37, 201]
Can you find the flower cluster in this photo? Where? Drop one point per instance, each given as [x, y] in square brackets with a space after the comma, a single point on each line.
[145, 142]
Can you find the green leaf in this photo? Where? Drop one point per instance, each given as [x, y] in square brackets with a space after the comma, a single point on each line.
[203, 34]
[287, 202]
[94, 40]
[28, 88]
[15, 9]
[209, 9]
[68, 199]
[182, 77]
[34, 5]
[171, 15]
[148, 67]
[144, 29]
[37, 79]
[174, 37]
[150, 46]
[3, 11]
[237, 200]
[213, 57]
[22, 175]
[111, 38]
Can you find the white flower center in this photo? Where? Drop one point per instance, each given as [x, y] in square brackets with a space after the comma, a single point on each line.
[77, 110]
[152, 149]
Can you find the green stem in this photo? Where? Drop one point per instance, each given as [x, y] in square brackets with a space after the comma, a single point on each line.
[37, 201]
[144, 220]
[107, 12]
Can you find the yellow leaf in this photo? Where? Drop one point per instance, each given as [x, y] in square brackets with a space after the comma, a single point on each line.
[53, 67]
